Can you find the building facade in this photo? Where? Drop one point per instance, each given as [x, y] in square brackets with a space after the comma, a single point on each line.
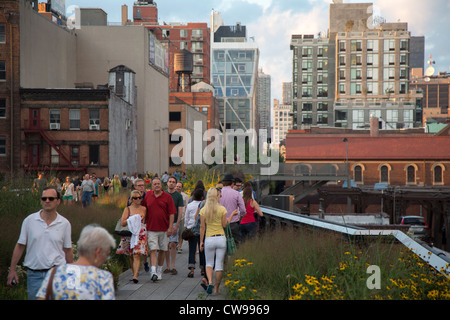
[282, 122]
[263, 101]
[80, 130]
[234, 69]
[312, 81]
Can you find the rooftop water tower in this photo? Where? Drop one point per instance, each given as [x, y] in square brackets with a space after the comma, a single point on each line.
[183, 67]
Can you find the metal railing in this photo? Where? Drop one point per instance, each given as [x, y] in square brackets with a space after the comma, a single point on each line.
[436, 258]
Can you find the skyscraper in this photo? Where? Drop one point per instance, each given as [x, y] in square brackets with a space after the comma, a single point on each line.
[234, 69]
[263, 100]
[361, 68]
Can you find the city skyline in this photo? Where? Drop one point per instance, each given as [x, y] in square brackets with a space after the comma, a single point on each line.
[283, 18]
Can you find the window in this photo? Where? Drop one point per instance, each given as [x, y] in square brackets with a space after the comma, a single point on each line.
[94, 155]
[2, 146]
[75, 156]
[175, 138]
[74, 119]
[372, 60]
[174, 116]
[197, 46]
[2, 33]
[355, 45]
[197, 33]
[411, 174]
[388, 74]
[2, 108]
[372, 45]
[389, 45]
[307, 52]
[183, 33]
[54, 156]
[306, 106]
[55, 119]
[437, 174]
[2, 70]
[307, 64]
[384, 174]
[357, 174]
[94, 119]
[341, 44]
[389, 60]
[392, 115]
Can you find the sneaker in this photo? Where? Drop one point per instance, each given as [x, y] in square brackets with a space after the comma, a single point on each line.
[154, 277]
[146, 267]
[159, 272]
[179, 250]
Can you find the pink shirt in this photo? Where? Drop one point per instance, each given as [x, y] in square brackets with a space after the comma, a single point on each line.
[232, 200]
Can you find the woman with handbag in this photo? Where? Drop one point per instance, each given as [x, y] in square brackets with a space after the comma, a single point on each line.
[213, 219]
[135, 245]
[191, 217]
[83, 279]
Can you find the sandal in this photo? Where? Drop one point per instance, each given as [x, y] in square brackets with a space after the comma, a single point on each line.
[174, 271]
[191, 274]
[210, 289]
[167, 271]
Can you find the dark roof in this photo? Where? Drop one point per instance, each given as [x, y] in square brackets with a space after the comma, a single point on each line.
[121, 68]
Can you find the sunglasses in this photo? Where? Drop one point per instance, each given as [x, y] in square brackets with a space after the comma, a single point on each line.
[135, 198]
[48, 198]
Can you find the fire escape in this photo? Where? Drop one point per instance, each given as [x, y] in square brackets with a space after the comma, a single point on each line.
[33, 130]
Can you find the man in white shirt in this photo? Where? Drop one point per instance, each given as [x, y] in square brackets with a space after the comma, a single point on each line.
[87, 189]
[46, 235]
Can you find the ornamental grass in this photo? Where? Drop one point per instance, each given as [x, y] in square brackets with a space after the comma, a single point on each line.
[298, 264]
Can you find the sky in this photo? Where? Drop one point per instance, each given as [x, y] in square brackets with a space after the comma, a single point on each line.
[272, 22]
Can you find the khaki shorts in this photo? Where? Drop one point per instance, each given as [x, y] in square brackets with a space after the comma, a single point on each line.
[157, 240]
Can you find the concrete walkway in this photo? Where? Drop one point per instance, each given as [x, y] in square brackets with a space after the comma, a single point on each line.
[171, 287]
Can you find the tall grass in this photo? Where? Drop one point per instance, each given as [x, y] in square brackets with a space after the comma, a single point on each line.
[17, 201]
[303, 264]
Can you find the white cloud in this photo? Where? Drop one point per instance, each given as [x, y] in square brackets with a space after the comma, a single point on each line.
[273, 31]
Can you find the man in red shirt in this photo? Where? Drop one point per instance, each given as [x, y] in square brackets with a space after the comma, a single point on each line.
[160, 217]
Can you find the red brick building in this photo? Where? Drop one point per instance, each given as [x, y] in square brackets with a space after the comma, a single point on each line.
[192, 36]
[65, 130]
[394, 159]
[9, 87]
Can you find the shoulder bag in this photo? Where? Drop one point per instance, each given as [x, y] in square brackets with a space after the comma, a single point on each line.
[231, 244]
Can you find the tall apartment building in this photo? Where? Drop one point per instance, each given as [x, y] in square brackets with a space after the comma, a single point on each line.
[263, 100]
[313, 81]
[286, 92]
[368, 72]
[282, 122]
[234, 69]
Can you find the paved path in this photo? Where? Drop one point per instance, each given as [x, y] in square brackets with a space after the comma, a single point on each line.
[171, 287]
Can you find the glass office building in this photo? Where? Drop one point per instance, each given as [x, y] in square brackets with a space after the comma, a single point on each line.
[234, 77]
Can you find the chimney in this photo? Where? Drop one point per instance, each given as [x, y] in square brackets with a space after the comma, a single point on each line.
[374, 126]
[124, 14]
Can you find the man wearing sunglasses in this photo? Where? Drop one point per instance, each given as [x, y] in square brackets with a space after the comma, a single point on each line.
[46, 235]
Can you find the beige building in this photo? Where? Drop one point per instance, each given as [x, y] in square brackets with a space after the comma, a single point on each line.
[282, 122]
[100, 48]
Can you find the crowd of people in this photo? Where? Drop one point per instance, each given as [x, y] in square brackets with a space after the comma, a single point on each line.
[159, 220]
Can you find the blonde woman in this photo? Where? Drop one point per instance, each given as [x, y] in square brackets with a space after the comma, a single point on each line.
[135, 246]
[116, 184]
[213, 218]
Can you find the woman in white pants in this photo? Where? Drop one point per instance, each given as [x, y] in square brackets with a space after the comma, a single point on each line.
[213, 218]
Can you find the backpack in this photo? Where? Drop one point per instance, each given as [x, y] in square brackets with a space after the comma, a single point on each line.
[124, 182]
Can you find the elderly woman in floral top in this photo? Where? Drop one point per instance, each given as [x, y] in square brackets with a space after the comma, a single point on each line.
[83, 280]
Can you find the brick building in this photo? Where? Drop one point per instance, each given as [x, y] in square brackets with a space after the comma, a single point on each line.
[9, 87]
[192, 36]
[396, 159]
[80, 130]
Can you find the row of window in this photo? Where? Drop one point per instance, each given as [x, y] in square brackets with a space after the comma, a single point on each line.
[411, 174]
[74, 119]
[384, 172]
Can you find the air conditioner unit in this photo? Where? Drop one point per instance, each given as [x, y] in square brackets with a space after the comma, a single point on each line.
[54, 126]
[94, 127]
